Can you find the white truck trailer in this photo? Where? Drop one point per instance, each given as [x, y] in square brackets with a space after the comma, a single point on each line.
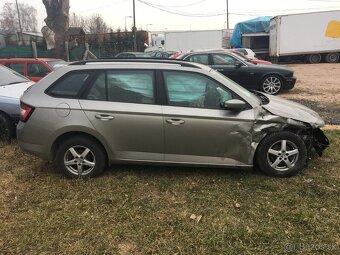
[194, 40]
[313, 37]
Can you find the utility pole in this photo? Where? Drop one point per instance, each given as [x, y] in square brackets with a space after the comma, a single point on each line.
[22, 38]
[227, 14]
[134, 27]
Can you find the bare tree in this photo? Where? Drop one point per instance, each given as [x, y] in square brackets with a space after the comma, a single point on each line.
[58, 21]
[9, 18]
[95, 24]
[78, 21]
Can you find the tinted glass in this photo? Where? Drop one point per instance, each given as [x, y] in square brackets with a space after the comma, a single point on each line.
[9, 76]
[18, 67]
[131, 86]
[98, 89]
[36, 70]
[70, 85]
[202, 59]
[194, 90]
[223, 59]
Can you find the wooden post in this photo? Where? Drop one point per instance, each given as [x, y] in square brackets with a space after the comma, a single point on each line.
[67, 52]
[34, 49]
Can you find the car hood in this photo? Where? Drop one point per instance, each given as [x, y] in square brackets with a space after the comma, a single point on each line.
[291, 110]
[274, 67]
[14, 90]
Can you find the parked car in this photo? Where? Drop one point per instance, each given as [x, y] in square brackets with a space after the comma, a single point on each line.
[161, 54]
[33, 68]
[253, 60]
[133, 55]
[89, 114]
[247, 52]
[267, 78]
[12, 86]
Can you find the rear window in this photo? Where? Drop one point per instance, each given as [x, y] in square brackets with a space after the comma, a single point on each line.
[70, 85]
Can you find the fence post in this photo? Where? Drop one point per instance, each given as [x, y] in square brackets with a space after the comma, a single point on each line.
[34, 49]
[67, 52]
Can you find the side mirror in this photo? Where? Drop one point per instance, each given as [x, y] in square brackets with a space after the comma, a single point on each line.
[238, 65]
[234, 105]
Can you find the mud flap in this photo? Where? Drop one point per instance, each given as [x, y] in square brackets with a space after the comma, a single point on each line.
[320, 141]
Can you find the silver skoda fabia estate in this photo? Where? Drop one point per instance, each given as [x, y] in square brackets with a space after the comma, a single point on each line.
[90, 114]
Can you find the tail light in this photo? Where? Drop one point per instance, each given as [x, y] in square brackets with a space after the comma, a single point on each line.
[25, 112]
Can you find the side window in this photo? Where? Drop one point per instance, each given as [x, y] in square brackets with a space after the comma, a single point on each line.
[223, 59]
[201, 59]
[36, 70]
[70, 85]
[98, 89]
[18, 67]
[135, 86]
[194, 90]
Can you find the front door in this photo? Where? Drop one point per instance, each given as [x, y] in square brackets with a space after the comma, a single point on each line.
[121, 106]
[196, 127]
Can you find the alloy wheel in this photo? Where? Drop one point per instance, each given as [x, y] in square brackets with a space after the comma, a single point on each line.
[283, 155]
[79, 160]
[272, 85]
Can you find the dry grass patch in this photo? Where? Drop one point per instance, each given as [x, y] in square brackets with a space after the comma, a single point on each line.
[147, 210]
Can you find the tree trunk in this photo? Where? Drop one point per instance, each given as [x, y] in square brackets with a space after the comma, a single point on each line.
[58, 21]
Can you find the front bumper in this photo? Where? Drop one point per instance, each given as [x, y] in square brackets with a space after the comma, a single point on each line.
[320, 141]
[289, 83]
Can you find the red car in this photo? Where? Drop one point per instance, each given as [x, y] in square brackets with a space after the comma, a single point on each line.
[33, 68]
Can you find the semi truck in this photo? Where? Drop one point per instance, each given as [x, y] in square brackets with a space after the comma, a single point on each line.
[312, 37]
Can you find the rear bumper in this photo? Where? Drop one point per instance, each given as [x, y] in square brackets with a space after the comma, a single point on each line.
[289, 83]
[34, 149]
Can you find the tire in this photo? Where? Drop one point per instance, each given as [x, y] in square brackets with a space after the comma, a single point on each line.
[332, 57]
[271, 84]
[85, 157]
[272, 157]
[6, 128]
[314, 58]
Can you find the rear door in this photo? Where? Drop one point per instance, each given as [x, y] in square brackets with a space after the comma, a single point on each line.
[196, 127]
[121, 105]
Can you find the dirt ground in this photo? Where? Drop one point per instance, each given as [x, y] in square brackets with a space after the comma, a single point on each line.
[318, 87]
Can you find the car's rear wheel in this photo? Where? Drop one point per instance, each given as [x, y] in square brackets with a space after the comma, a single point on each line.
[80, 157]
[6, 128]
[271, 84]
[332, 57]
[281, 154]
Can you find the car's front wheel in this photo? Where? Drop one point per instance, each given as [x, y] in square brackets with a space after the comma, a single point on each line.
[80, 157]
[271, 84]
[281, 154]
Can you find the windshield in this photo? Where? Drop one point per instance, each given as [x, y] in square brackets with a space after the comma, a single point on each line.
[53, 63]
[9, 77]
[239, 89]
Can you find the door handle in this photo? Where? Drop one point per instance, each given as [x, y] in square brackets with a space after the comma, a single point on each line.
[175, 122]
[104, 117]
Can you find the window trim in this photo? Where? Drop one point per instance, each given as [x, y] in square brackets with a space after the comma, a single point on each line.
[234, 95]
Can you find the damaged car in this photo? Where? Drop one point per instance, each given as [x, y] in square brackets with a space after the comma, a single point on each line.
[91, 114]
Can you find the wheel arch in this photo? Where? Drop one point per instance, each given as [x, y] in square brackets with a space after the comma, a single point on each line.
[58, 141]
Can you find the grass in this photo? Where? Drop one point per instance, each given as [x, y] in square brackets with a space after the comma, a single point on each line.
[148, 210]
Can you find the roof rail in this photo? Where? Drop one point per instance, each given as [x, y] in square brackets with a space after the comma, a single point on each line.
[138, 60]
